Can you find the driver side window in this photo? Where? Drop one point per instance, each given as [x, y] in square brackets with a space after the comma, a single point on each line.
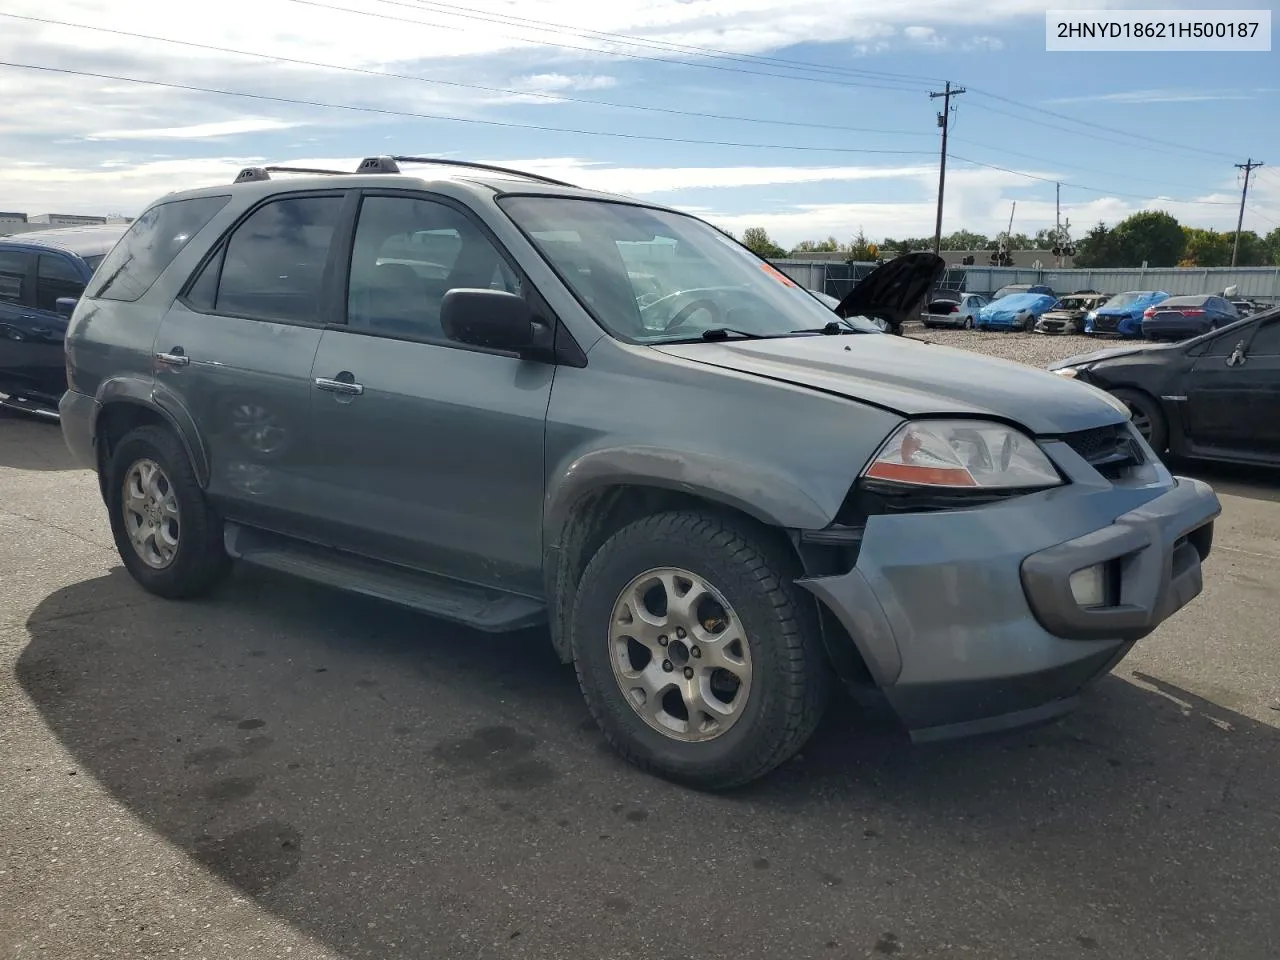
[408, 254]
[1266, 342]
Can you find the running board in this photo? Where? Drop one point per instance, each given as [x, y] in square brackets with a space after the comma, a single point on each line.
[478, 607]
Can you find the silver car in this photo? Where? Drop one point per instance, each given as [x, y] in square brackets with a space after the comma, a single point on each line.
[715, 498]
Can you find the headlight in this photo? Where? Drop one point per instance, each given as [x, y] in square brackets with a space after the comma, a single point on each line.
[1069, 372]
[962, 453]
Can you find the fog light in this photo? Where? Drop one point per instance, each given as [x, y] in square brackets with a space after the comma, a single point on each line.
[1089, 586]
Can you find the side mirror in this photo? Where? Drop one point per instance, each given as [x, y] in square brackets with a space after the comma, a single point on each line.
[66, 306]
[487, 318]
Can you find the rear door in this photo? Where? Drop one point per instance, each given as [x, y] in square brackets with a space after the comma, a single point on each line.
[17, 309]
[1233, 395]
[430, 451]
[236, 348]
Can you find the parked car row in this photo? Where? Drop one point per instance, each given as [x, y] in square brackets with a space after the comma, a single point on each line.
[1149, 314]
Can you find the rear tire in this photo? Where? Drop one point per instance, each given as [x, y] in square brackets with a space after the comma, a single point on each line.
[968, 323]
[781, 667]
[168, 537]
[1148, 418]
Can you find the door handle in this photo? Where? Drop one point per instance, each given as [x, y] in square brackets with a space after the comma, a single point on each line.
[345, 387]
[174, 358]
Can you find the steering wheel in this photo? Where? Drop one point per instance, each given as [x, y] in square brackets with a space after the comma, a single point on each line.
[684, 313]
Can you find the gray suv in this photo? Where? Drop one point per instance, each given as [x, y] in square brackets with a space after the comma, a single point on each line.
[509, 402]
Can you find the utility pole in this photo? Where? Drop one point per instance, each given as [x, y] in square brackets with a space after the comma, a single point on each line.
[944, 121]
[1057, 217]
[1247, 167]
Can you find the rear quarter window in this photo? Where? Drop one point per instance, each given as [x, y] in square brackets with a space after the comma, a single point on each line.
[150, 245]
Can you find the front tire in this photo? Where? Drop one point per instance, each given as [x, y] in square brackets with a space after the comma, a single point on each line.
[1148, 419]
[167, 535]
[696, 653]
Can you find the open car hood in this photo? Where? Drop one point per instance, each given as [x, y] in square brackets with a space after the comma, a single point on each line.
[895, 290]
[915, 379]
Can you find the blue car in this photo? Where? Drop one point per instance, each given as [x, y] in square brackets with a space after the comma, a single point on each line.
[1017, 311]
[1122, 314]
[42, 275]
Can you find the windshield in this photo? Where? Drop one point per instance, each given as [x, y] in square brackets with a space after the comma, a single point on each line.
[652, 276]
[1124, 300]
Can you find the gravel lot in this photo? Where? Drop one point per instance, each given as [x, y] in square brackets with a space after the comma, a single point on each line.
[281, 770]
[1036, 349]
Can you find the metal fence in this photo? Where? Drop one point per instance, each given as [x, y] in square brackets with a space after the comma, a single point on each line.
[836, 278]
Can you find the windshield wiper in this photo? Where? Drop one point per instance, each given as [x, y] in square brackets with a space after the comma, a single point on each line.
[716, 334]
[832, 328]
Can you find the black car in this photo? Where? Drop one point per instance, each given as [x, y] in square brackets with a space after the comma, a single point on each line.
[1179, 318]
[1214, 397]
[42, 274]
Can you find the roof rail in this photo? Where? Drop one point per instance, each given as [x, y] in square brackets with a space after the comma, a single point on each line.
[256, 174]
[480, 166]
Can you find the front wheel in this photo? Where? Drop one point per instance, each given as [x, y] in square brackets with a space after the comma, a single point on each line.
[167, 535]
[1148, 419]
[696, 653]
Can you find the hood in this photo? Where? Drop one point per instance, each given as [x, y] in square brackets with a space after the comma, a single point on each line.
[915, 379]
[895, 290]
[1144, 301]
[1112, 353]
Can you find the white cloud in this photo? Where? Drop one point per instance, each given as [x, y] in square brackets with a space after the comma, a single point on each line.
[562, 82]
[924, 37]
[1155, 96]
[199, 131]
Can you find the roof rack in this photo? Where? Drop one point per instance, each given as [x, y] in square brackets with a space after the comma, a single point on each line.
[383, 164]
[391, 165]
[255, 174]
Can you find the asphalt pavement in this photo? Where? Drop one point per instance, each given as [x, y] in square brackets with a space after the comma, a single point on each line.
[286, 771]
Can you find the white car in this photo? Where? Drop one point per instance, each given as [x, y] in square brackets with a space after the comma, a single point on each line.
[953, 310]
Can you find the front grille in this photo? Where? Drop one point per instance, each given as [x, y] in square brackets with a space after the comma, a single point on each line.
[1105, 323]
[1111, 450]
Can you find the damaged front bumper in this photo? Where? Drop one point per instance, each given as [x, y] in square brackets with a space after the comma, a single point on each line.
[967, 620]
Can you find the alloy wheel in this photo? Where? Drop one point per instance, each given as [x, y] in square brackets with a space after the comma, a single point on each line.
[151, 515]
[680, 655]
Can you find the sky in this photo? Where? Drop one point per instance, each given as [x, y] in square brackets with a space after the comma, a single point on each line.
[807, 119]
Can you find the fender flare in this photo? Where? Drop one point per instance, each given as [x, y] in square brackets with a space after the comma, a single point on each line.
[143, 393]
[759, 491]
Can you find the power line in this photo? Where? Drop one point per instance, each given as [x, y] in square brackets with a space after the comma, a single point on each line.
[450, 9]
[596, 50]
[457, 83]
[67, 71]
[1258, 213]
[1093, 127]
[1078, 168]
[1081, 186]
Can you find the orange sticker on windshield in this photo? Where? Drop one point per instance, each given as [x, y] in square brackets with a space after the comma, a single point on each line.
[777, 274]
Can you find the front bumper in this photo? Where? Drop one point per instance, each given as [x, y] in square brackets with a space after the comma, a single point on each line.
[965, 618]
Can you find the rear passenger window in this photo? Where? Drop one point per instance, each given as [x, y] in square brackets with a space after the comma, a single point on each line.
[272, 268]
[13, 276]
[56, 278]
[150, 244]
[408, 254]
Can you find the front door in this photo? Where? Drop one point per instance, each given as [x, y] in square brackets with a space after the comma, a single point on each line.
[17, 314]
[235, 350]
[429, 453]
[1233, 396]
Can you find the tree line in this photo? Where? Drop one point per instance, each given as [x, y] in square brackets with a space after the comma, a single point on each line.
[1153, 237]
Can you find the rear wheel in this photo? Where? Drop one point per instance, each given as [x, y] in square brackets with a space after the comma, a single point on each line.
[695, 653]
[167, 536]
[1148, 419]
[968, 323]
